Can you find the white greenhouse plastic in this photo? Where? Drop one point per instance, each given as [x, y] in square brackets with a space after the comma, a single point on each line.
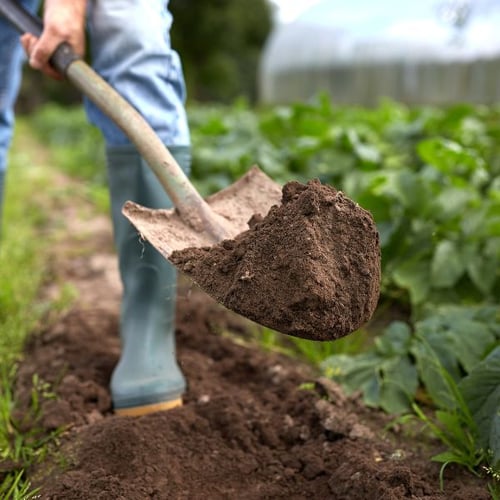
[419, 52]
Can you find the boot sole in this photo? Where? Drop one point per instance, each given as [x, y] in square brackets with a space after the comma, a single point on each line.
[137, 411]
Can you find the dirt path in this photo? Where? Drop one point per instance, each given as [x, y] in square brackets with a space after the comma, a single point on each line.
[249, 428]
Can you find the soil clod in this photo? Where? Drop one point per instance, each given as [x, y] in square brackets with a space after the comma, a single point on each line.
[310, 268]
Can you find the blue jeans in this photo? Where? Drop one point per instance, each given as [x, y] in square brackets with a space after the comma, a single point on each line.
[130, 48]
[11, 58]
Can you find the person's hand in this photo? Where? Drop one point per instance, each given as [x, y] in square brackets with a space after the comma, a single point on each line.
[64, 21]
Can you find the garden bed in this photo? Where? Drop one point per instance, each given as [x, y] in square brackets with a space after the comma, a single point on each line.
[254, 424]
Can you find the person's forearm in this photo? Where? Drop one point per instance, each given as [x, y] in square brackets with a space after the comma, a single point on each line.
[64, 21]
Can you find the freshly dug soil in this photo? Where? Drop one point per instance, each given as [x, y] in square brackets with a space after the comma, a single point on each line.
[310, 268]
[254, 425]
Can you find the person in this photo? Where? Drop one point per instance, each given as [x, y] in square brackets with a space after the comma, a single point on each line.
[129, 46]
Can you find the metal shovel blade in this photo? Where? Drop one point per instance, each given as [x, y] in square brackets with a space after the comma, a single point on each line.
[303, 260]
[253, 194]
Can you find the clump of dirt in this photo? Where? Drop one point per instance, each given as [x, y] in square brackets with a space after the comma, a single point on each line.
[254, 425]
[310, 268]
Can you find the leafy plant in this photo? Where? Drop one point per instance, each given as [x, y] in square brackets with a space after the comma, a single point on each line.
[453, 423]
[481, 391]
[20, 447]
[430, 177]
[385, 374]
[454, 354]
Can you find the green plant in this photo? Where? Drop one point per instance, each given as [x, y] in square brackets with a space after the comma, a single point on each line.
[386, 373]
[315, 352]
[22, 443]
[481, 391]
[312, 351]
[15, 488]
[453, 429]
[430, 177]
[453, 423]
[454, 354]
[22, 265]
[469, 418]
[494, 485]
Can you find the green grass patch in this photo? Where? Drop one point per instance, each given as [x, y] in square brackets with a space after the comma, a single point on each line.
[24, 251]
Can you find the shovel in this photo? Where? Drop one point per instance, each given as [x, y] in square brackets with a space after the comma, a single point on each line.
[281, 257]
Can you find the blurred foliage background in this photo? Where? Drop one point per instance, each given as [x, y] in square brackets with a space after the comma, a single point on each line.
[220, 42]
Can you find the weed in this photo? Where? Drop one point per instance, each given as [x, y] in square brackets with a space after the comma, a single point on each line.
[453, 423]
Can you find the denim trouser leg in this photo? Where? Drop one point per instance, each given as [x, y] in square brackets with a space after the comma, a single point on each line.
[130, 49]
[11, 58]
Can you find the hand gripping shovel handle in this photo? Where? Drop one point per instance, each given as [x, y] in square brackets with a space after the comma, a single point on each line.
[25, 22]
[191, 206]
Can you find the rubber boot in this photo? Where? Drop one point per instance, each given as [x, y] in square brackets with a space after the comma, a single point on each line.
[147, 377]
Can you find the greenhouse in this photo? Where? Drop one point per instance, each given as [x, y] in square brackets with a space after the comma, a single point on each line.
[427, 52]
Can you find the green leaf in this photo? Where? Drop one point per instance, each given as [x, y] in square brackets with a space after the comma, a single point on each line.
[414, 276]
[479, 269]
[456, 337]
[449, 157]
[447, 265]
[352, 371]
[458, 435]
[481, 390]
[395, 339]
[494, 440]
[452, 202]
[470, 339]
[448, 457]
[371, 391]
[430, 371]
[400, 382]
[387, 377]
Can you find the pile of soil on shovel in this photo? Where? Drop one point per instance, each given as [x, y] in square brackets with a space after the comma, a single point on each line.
[255, 424]
[310, 268]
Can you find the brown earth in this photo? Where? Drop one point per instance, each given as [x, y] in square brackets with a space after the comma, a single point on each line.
[249, 428]
[309, 268]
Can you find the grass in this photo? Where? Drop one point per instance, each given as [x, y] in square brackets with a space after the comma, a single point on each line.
[32, 193]
[22, 253]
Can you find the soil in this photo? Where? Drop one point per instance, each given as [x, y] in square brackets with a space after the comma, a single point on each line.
[310, 268]
[254, 424]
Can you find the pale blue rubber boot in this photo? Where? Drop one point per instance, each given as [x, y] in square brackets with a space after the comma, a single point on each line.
[147, 378]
